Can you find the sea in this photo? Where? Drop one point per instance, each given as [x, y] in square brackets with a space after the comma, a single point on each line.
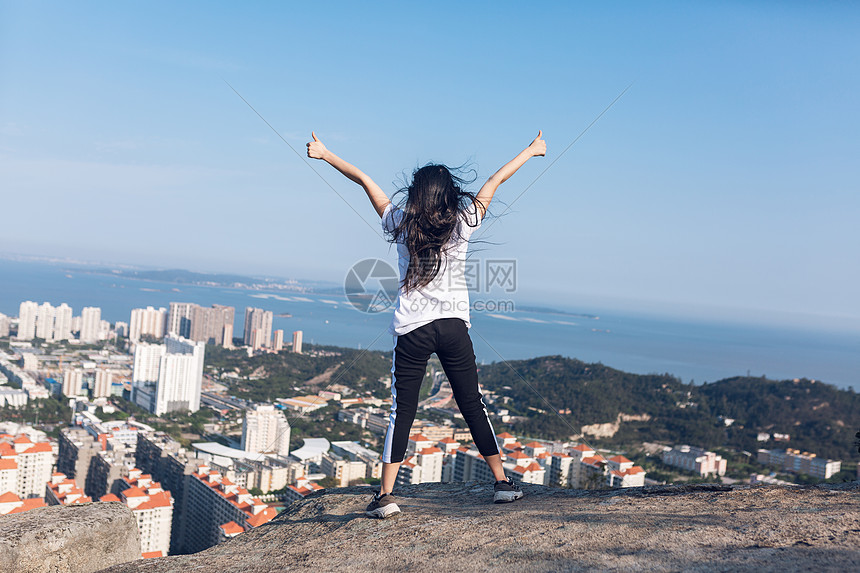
[695, 350]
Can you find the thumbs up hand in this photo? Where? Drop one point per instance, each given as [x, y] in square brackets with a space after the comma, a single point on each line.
[316, 149]
[538, 146]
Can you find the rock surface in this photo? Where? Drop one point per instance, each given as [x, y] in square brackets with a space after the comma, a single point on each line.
[68, 539]
[456, 527]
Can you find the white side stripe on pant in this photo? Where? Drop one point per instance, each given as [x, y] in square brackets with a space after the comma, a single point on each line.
[389, 435]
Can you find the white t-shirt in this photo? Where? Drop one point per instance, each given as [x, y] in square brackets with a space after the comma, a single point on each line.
[447, 295]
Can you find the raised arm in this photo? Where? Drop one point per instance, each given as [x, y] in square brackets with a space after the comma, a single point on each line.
[485, 195]
[316, 150]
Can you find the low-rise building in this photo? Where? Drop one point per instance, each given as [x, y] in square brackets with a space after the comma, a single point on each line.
[696, 460]
[342, 469]
[798, 462]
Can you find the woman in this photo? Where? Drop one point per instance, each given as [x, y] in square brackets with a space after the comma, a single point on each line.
[432, 231]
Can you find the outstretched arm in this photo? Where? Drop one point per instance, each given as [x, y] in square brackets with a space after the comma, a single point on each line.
[485, 195]
[316, 150]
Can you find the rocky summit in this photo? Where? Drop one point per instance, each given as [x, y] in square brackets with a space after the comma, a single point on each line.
[456, 527]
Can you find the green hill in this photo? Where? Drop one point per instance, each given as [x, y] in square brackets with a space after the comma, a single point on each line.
[820, 418]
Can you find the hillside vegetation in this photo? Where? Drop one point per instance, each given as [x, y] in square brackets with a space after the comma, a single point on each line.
[820, 418]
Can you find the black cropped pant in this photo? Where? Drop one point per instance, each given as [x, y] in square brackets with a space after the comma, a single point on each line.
[449, 339]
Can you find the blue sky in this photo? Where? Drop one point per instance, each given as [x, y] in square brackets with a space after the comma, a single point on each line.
[724, 182]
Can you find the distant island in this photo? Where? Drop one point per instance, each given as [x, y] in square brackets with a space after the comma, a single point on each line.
[185, 277]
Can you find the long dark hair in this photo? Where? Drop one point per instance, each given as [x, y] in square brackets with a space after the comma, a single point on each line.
[435, 202]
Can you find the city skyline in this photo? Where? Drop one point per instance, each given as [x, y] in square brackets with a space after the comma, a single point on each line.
[721, 180]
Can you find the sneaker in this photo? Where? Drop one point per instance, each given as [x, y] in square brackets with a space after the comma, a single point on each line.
[382, 506]
[506, 491]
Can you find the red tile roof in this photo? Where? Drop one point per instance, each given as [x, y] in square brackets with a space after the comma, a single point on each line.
[41, 447]
[134, 491]
[22, 440]
[619, 460]
[9, 497]
[419, 438]
[231, 528]
[151, 554]
[582, 448]
[8, 465]
[263, 517]
[156, 500]
[504, 435]
[535, 445]
[428, 451]
[109, 497]
[28, 504]
[447, 440]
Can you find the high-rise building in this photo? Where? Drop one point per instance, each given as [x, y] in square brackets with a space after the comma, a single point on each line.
[257, 319]
[147, 359]
[180, 376]
[216, 506]
[4, 325]
[73, 382]
[153, 510]
[91, 318]
[102, 383]
[179, 319]
[168, 377]
[27, 464]
[76, 450]
[266, 430]
[207, 324]
[45, 322]
[297, 341]
[63, 322]
[147, 321]
[279, 341]
[228, 335]
[27, 320]
[104, 330]
[121, 329]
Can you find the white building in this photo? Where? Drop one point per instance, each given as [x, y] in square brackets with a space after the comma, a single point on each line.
[695, 460]
[175, 383]
[266, 430]
[63, 322]
[278, 344]
[25, 464]
[27, 313]
[73, 382]
[152, 508]
[4, 325]
[297, 341]
[13, 397]
[798, 462]
[623, 473]
[91, 318]
[102, 383]
[31, 362]
[45, 322]
[147, 361]
[147, 321]
[343, 469]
